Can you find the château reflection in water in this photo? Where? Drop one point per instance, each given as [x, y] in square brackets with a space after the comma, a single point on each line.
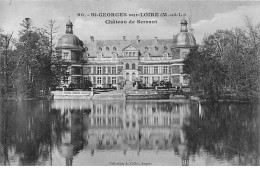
[78, 132]
[121, 126]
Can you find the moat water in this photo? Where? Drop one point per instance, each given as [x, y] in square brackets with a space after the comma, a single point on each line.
[78, 132]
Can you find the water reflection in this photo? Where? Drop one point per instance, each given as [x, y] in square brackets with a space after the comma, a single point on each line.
[225, 131]
[66, 132]
[120, 126]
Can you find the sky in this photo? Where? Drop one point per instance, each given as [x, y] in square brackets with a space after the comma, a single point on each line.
[205, 17]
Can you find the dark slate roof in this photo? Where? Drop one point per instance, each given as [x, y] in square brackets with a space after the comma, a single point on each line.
[94, 46]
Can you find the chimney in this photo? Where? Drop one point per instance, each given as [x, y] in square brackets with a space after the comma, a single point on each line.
[124, 38]
[92, 38]
[137, 39]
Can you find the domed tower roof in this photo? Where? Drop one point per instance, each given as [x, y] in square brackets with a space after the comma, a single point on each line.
[183, 21]
[69, 23]
[184, 38]
[69, 40]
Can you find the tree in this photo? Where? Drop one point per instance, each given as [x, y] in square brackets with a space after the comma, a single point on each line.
[9, 63]
[206, 74]
[226, 62]
[27, 63]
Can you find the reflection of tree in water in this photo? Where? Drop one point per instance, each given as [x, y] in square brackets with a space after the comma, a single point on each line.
[26, 129]
[69, 130]
[227, 131]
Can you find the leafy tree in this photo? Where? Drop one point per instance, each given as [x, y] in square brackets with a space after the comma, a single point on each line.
[226, 62]
[206, 74]
[26, 63]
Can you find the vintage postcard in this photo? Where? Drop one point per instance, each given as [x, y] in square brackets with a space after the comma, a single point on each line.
[129, 83]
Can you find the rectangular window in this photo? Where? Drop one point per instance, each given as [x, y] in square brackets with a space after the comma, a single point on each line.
[108, 70]
[104, 79]
[113, 80]
[165, 69]
[185, 54]
[85, 79]
[165, 78]
[98, 80]
[151, 70]
[98, 70]
[145, 69]
[156, 70]
[146, 80]
[113, 70]
[104, 69]
[65, 55]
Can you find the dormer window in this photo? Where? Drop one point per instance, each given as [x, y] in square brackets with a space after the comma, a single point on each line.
[114, 48]
[100, 49]
[107, 48]
[165, 55]
[99, 55]
[165, 48]
[156, 47]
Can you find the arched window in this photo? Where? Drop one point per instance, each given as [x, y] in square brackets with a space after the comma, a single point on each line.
[146, 55]
[165, 55]
[133, 76]
[165, 48]
[156, 47]
[99, 55]
[127, 66]
[107, 48]
[114, 48]
[133, 66]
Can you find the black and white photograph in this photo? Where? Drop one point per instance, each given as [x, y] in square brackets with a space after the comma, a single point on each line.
[129, 83]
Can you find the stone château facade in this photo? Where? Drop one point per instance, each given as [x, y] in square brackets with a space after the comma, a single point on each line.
[107, 62]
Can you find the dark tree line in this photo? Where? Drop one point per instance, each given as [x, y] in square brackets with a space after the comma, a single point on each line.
[226, 65]
[27, 63]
